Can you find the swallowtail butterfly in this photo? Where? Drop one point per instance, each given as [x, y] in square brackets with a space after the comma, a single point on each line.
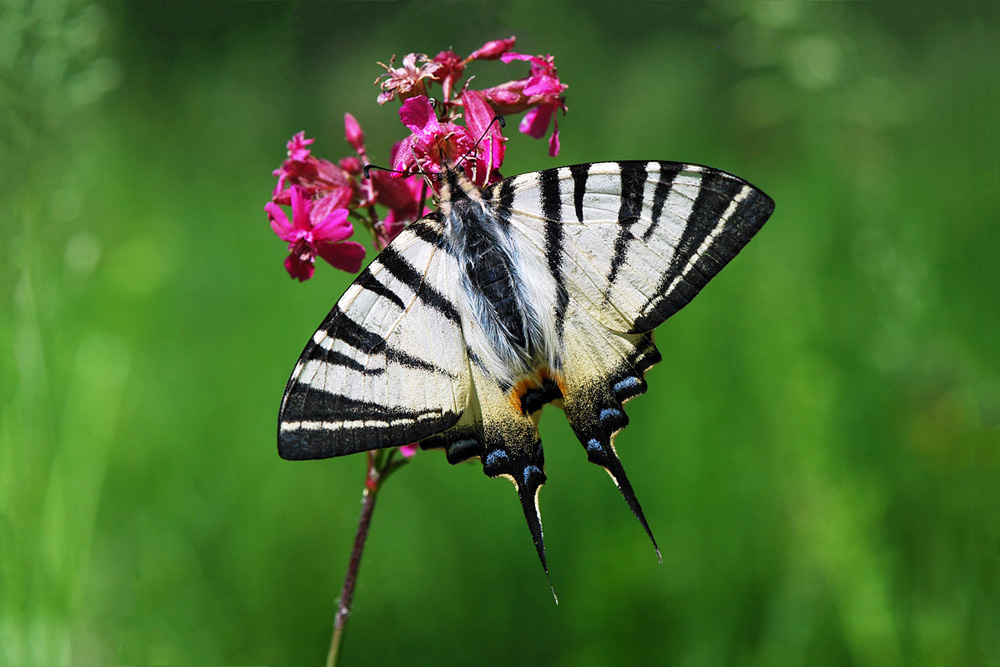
[544, 287]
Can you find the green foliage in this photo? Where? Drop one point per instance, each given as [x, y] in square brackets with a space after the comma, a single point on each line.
[819, 452]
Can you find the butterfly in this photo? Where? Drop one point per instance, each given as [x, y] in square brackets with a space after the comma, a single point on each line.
[541, 288]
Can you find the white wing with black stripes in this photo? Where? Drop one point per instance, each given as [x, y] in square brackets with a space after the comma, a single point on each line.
[637, 240]
[388, 365]
[542, 288]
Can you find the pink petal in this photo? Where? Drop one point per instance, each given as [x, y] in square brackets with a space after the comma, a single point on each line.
[279, 221]
[346, 256]
[299, 267]
[543, 85]
[408, 450]
[502, 96]
[479, 117]
[404, 160]
[417, 113]
[536, 122]
[554, 141]
[335, 199]
[513, 55]
[333, 227]
[300, 210]
[478, 114]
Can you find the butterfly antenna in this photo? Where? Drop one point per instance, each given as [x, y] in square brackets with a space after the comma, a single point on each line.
[496, 119]
[369, 167]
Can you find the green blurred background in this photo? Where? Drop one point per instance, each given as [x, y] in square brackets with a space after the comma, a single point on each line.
[819, 451]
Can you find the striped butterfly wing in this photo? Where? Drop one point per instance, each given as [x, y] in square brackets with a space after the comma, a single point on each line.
[388, 366]
[634, 242]
[615, 249]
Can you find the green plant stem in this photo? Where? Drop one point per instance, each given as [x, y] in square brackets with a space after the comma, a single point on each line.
[380, 465]
[372, 481]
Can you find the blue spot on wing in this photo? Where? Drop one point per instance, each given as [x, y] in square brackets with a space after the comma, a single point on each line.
[494, 456]
[528, 470]
[593, 445]
[607, 413]
[627, 383]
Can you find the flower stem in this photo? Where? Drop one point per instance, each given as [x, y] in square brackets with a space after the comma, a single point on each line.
[372, 480]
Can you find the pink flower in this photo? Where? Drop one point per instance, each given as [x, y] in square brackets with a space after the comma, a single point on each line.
[297, 146]
[406, 81]
[540, 93]
[306, 239]
[408, 450]
[536, 122]
[306, 171]
[432, 144]
[450, 67]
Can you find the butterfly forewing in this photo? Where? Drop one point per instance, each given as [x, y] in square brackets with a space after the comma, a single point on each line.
[637, 240]
[388, 366]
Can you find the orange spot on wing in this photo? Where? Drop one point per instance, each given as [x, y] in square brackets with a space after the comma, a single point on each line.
[517, 392]
[547, 373]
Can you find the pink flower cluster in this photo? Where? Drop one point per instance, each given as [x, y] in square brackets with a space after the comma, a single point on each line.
[437, 140]
[324, 197]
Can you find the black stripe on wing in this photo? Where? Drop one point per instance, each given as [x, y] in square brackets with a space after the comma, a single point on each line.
[551, 201]
[668, 170]
[692, 265]
[403, 271]
[367, 280]
[633, 183]
[350, 426]
[341, 327]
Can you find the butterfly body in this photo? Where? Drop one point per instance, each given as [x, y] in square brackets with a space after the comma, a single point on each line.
[543, 288]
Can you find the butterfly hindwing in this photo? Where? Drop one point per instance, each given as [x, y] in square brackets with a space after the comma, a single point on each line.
[601, 371]
[614, 249]
[388, 366]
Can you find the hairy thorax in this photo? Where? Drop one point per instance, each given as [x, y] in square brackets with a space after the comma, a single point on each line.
[503, 328]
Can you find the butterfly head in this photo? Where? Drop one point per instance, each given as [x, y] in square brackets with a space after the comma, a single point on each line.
[456, 191]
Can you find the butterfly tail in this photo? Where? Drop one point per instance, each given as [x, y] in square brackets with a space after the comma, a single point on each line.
[524, 465]
[508, 446]
[599, 378]
[604, 455]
